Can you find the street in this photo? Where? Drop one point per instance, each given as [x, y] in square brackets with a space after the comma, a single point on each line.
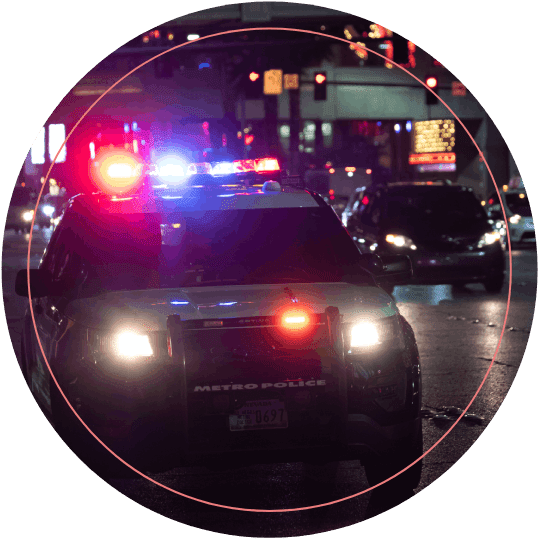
[457, 330]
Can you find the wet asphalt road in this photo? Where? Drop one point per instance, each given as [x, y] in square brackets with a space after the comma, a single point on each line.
[458, 331]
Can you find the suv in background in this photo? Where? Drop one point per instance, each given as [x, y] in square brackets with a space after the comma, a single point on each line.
[442, 228]
[518, 213]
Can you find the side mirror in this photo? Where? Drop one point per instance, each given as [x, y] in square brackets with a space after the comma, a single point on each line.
[40, 283]
[372, 263]
[397, 270]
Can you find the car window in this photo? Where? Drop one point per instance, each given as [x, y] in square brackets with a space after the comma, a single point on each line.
[204, 248]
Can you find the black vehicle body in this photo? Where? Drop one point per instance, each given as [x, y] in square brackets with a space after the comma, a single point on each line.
[319, 398]
[445, 225]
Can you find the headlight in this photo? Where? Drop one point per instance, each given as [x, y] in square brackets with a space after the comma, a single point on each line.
[514, 219]
[48, 210]
[129, 344]
[374, 333]
[364, 334]
[400, 241]
[488, 239]
[28, 215]
[126, 344]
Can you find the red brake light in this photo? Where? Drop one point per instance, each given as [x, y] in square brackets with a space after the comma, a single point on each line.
[365, 200]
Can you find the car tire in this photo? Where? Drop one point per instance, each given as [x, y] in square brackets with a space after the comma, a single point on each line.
[494, 284]
[379, 469]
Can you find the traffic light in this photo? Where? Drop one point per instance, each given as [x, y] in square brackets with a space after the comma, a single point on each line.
[432, 83]
[320, 86]
[254, 85]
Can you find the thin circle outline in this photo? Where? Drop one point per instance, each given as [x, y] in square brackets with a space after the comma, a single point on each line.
[169, 488]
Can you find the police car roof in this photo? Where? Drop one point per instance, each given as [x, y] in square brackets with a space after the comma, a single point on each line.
[231, 197]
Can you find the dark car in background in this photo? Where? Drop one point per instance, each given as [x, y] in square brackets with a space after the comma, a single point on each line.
[442, 228]
[21, 210]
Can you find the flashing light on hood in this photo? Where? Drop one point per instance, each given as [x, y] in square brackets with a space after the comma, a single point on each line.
[295, 319]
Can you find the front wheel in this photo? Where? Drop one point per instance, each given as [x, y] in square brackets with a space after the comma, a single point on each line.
[381, 468]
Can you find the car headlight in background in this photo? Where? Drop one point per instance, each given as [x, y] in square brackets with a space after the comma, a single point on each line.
[27, 216]
[488, 239]
[398, 240]
[48, 210]
[514, 219]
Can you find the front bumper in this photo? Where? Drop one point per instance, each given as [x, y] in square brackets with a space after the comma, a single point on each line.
[340, 411]
[523, 232]
[457, 267]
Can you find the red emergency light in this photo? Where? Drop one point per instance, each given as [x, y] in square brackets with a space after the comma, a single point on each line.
[295, 319]
[117, 172]
[265, 164]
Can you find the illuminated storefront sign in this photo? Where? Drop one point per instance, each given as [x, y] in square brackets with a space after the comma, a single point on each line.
[443, 167]
[433, 136]
[432, 158]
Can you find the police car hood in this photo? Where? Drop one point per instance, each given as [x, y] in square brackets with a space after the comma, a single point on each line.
[148, 309]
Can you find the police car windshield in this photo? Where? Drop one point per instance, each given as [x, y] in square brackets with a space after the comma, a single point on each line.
[215, 248]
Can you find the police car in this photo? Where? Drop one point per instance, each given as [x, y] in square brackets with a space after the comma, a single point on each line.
[238, 321]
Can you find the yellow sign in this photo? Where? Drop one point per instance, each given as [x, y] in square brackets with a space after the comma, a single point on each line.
[291, 82]
[273, 82]
[433, 136]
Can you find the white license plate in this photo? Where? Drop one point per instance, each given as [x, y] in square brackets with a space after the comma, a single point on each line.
[263, 414]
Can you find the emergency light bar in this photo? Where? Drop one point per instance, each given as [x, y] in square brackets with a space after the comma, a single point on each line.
[117, 172]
